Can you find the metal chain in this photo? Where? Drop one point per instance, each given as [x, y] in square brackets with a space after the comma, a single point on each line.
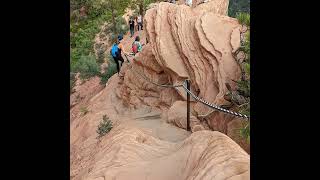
[213, 105]
[194, 96]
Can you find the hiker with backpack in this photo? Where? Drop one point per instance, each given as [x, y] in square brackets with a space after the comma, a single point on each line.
[115, 52]
[131, 25]
[136, 45]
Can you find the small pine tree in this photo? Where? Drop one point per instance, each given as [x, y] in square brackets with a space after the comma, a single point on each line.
[104, 127]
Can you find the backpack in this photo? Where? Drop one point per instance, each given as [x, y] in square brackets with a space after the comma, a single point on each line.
[114, 50]
[135, 47]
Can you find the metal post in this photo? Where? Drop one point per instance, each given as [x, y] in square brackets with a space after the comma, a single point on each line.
[188, 106]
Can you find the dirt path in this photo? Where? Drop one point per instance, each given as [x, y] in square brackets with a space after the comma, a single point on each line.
[158, 127]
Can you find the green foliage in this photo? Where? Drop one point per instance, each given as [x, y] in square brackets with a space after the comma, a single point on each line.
[115, 7]
[74, 16]
[246, 46]
[244, 87]
[82, 38]
[243, 18]
[92, 7]
[110, 71]
[100, 53]
[113, 30]
[245, 109]
[246, 67]
[236, 6]
[140, 6]
[146, 3]
[245, 132]
[244, 83]
[77, 4]
[104, 127]
[87, 66]
[84, 110]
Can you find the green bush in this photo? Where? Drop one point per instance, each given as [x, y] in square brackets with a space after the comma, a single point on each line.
[83, 34]
[245, 109]
[246, 68]
[121, 27]
[243, 18]
[245, 131]
[244, 83]
[236, 6]
[104, 127]
[100, 53]
[84, 110]
[110, 71]
[87, 66]
[244, 87]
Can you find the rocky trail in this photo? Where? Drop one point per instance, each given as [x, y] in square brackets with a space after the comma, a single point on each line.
[159, 128]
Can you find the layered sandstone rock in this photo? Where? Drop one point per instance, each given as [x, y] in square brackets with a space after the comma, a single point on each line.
[131, 154]
[134, 149]
[186, 43]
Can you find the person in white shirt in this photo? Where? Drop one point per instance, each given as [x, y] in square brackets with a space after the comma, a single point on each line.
[139, 21]
[189, 2]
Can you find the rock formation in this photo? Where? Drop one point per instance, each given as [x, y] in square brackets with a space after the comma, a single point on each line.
[131, 151]
[148, 140]
[195, 43]
[83, 92]
[134, 155]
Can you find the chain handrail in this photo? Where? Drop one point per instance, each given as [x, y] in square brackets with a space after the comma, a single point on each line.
[214, 106]
[211, 105]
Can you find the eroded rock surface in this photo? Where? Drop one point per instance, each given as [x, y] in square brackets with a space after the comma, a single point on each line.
[186, 43]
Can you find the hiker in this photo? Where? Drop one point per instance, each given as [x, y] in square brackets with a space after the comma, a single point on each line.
[139, 20]
[115, 51]
[131, 25]
[189, 2]
[136, 22]
[136, 46]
